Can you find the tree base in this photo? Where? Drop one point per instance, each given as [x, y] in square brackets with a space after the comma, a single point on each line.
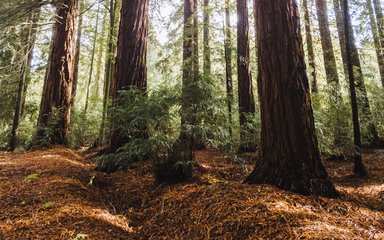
[298, 182]
[359, 169]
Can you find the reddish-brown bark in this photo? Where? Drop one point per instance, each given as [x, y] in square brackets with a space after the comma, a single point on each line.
[54, 117]
[290, 157]
[131, 60]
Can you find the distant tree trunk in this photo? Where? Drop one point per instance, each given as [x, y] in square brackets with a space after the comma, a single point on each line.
[370, 136]
[245, 92]
[376, 39]
[28, 43]
[110, 55]
[54, 117]
[228, 62]
[330, 70]
[359, 168]
[380, 21]
[100, 55]
[80, 8]
[131, 60]
[310, 49]
[95, 34]
[327, 46]
[195, 58]
[290, 158]
[206, 40]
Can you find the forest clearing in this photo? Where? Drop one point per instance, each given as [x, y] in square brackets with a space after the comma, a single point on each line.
[191, 119]
[67, 198]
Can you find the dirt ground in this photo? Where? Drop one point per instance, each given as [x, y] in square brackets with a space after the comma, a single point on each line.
[56, 194]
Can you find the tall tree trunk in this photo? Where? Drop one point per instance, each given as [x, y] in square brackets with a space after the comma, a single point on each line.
[245, 91]
[310, 49]
[380, 21]
[359, 168]
[95, 33]
[330, 70]
[131, 60]
[80, 8]
[195, 58]
[376, 39]
[100, 55]
[54, 117]
[29, 40]
[370, 136]
[110, 55]
[206, 40]
[228, 62]
[290, 158]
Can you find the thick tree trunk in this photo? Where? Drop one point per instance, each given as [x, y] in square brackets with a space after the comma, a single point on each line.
[54, 117]
[80, 8]
[95, 34]
[310, 49]
[359, 168]
[376, 39]
[228, 62]
[29, 40]
[245, 91]
[131, 60]
[370, 136]
[290, 158]
[206, 40]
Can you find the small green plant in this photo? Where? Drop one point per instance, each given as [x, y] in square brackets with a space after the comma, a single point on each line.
[48, 205]
[31, 178]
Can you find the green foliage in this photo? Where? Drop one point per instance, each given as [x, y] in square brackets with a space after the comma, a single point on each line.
[138, 113]
[32, 177]
[48, 205]
[84, 128]
[329, 121]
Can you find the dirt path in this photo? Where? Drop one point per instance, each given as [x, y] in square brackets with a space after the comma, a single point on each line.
[56, 194]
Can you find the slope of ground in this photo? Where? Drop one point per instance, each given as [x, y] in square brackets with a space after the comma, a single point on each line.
[56, 194]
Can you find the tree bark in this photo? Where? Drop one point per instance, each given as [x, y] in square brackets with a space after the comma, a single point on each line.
[228, 62]
[28, 42]
[359, 168]
[290, 158]
[376, 39]
[100, 55]
[245, 91]
[54, 117]
[131, 60]
[110, 55]
[206, 40]
[80, 8]
[310, 49]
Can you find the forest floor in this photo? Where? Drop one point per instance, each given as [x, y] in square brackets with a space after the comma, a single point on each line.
[56, 194]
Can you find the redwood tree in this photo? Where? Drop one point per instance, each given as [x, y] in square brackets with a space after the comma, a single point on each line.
[228, 62]
[290, 157]
[54, 116]
[245, 91]
[131, 60]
